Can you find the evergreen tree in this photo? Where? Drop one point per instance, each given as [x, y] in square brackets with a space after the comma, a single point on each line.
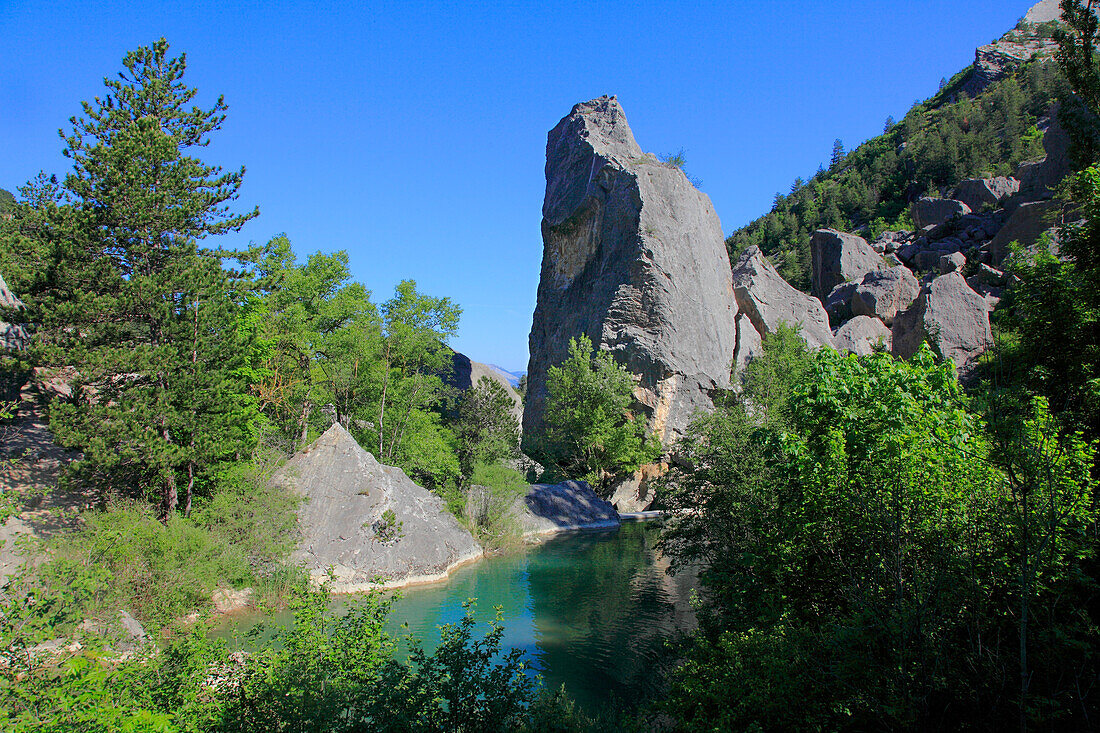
[837, 155]
[129, 300]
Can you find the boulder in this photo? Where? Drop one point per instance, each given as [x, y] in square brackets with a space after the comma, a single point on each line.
[861, 335]
[926, 259]
[551, 508]
[633, 257]
[950, 316]
[838, 304]
[978, 193]
[985, 275]
[637, 492]
[369, 523]
[952, 262]
[883, 293]
[928, 211]
[1026, 225]
[766, 298]
[837, 257]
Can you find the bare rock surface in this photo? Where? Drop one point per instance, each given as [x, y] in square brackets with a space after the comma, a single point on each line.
[634, 257]
[343, 519]
[838, 257]
[951, 317]
[927, 211]
[838, 304]
[749, 343]
[766, 298]
[978, 193]
[637, 492]
[1038, 178]
[12, 335]
[570, 505]
[1026, 225]
[883, 293]
[861, 335]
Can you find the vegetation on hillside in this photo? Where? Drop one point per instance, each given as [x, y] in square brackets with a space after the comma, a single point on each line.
[938, 143]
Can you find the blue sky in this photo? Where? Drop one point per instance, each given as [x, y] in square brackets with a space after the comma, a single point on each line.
[413, 135]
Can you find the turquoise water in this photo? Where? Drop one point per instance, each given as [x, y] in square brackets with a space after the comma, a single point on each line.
[588, 609]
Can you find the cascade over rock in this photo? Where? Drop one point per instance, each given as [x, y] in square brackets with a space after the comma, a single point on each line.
[633, 257]
[343, 520]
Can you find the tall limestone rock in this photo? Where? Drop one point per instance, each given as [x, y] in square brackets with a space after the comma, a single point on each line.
[634, 257]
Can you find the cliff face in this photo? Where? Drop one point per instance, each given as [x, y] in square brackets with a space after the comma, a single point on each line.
[633, 256]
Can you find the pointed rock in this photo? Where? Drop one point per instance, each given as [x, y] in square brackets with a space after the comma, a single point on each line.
[633, 257]
[861, 335]
[766, 298]
[346, 525]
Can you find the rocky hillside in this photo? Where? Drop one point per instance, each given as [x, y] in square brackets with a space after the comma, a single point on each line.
[984, 122]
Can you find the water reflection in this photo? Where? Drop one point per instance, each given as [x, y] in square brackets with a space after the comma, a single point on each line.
[590, 610]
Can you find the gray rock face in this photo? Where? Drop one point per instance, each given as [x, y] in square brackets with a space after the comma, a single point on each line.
[932, 212]
[838, 304]
[12, 335]
[749, 343]
[766, 298]
[634, 257]
[883, 293]
[952, 262]
[861, 335]
[1043, 11]
[466, 373]
[950, 316]
[343, 520]
[1039, 177]
[838, 257]
[1026, 225]
[550, 508]
[980, 192]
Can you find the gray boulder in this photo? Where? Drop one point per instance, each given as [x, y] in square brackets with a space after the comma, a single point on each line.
[986, 275]
[951, 317]
[1026, 225]
[952, 262]
[883, 293]
[369, 523]
[12, 335]
[550, 508]
[928, 211]
[634, 257]
[861, 335]
[837, 257]
[838, 304]
[766, 298]
[980, 192]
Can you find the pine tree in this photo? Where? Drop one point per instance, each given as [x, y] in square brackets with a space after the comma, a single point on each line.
[146, 318]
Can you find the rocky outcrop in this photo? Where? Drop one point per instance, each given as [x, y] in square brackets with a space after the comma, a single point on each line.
[861, 335]
[837, 257]
[927, 211]
[633, 257]
[466, 373]
[883, 293]
[1038, 178]
[838, 304]
[551, 508]
[951, 317]
[749, 343]
[638, 491]
[12, 335]
[977, 193]
[1025, 226]
[766, 298]
[368, 523]
[951, 262]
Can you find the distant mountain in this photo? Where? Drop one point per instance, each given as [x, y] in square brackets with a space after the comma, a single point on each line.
[512, 377]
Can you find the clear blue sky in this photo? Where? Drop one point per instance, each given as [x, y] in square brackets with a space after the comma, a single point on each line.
[413, 134]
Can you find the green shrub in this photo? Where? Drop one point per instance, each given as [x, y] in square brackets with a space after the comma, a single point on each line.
[494, 490]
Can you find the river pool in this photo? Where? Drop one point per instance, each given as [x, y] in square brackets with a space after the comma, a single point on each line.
[590, 610]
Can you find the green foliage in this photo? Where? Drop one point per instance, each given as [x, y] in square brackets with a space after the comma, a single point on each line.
[591, 432]
[486, 429]
[387, 529]
[326, 672]
[7, 203]
[494, 490]
[129, 301]
[866, 560]
[938, 143]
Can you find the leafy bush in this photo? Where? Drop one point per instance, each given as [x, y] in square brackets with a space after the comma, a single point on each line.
[494, 490]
